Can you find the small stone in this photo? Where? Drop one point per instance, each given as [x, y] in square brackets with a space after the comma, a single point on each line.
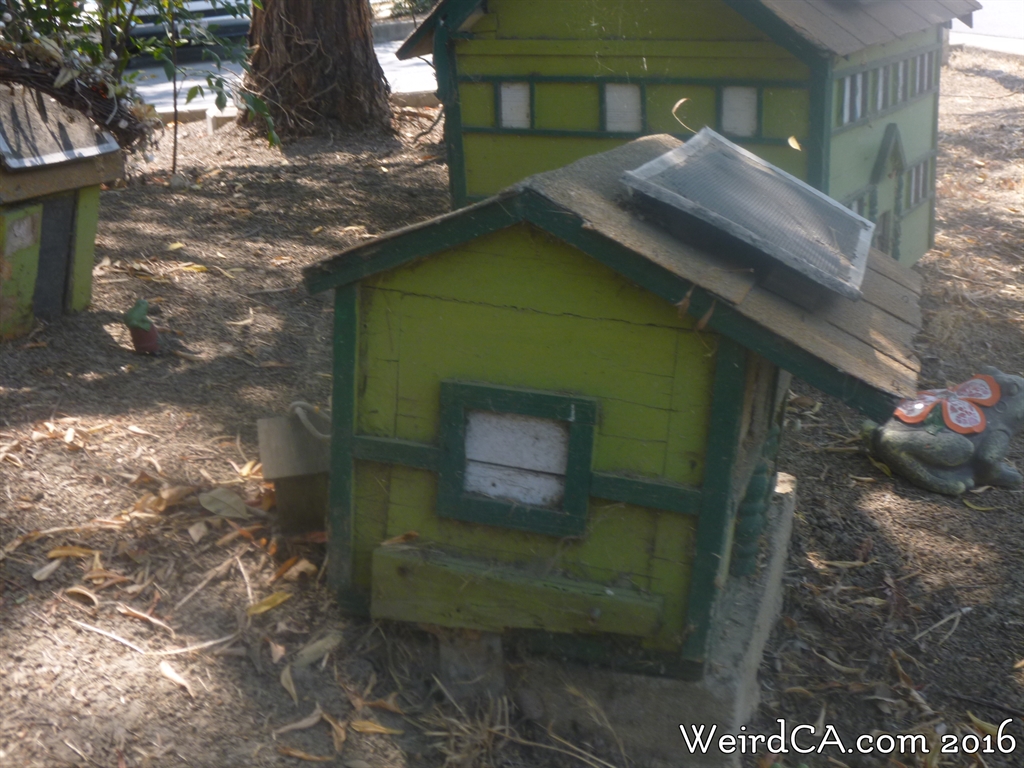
[179, 182]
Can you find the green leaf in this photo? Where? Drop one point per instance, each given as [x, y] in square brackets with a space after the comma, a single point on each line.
[195, 90]
[221, 101]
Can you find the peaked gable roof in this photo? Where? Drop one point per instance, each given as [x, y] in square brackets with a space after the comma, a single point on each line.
[805, 27]
[859, 351]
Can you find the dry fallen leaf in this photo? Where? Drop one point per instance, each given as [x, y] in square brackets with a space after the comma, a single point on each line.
[168, 671]
[289, 684]
[317, 649]
[389, 703]
[299, 725]
[316, 230]
[1019, 664]
[302, 568]
[284, 568]
[139, 431]
[290, 752]
[70, 551]
[874, 602]
[848, 563]
[174, 494]
[221, 501]
[839, 667]
[197, 531]
[175, 246]
[792, 141]
[82, 592]
[129, 611]
[277, 652]
[369, 726]
[264, 605]
[981, 725]
[978, 507]
[339, 732]
[47, 570]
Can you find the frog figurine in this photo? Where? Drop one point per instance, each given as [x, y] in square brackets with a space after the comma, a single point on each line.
[951, 440]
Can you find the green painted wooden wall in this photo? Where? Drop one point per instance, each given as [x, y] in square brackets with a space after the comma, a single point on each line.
[519, 308]
[854, 147]
[568, 50]
[19, 266]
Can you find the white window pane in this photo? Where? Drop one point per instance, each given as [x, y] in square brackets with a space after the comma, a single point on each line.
[739, 111]
[516, 458]
[523, 442]
[515, 105]
[519, 485]
[622, 108]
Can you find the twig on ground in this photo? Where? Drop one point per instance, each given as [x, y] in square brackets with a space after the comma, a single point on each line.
[987, 703]
[111, 635]
[954, 615]
[196, 647]
[212, 574]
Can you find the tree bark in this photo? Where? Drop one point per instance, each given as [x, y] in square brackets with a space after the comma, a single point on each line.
[313, 60]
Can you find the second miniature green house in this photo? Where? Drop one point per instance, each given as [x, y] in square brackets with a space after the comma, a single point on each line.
[841, 93]
[547, 413]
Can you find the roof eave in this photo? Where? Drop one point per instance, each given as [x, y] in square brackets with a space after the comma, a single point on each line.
[454, 13]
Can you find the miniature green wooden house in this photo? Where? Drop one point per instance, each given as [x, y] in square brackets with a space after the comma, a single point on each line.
[52, 162]
[530, 85]
[558, 407]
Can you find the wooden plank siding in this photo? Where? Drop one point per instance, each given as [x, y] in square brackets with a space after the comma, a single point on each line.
[497, 310]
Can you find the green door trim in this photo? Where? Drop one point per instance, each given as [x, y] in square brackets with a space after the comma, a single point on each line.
[710, 564]
[581, 415]
[341, 499]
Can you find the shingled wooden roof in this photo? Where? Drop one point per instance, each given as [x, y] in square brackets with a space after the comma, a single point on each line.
[860, 351]
[840, 27]
[843, 27]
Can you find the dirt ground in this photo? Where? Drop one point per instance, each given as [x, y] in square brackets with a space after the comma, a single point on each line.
[98, 664]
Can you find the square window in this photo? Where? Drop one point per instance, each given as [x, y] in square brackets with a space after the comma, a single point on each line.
[622, 110]
[739, 111]
[515, 458]
[515, 105]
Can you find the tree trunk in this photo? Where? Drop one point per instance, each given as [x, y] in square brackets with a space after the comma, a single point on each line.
[313, 60]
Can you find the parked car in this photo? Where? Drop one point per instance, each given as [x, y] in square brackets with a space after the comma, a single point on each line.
[213, 16]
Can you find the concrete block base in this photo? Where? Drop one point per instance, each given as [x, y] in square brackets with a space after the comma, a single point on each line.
[216, 118]
[643, 713]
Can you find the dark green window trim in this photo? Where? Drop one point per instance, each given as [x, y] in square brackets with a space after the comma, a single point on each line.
[446, 68]
[641, 491]
[705, 81]
[557, 133]
[646, 492]
[581, 414]
[343, 392]
[720, 495]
